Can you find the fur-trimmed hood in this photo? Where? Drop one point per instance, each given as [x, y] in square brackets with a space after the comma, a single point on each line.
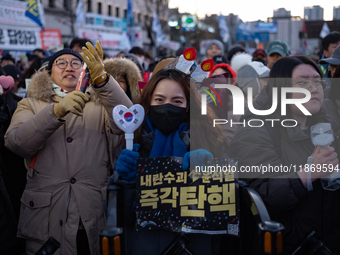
[122, 67]
[41, 88]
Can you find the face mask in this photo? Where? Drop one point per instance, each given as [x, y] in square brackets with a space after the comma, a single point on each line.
[167, 117]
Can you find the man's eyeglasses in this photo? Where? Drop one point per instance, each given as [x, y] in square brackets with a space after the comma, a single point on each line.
[62, 64]
[317, 83]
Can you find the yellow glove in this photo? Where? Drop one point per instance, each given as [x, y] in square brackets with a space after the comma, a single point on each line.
[73, 102]
[94, 61]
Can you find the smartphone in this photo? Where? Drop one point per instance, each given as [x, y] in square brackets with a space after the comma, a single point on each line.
[49, 248]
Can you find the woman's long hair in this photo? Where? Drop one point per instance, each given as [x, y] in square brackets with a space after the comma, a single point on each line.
[212, 139]
[169, 74]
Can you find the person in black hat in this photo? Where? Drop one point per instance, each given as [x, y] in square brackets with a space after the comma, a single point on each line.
[7, 60]
[233, 51]
[68, 139]
[260, 55]
[219, 59]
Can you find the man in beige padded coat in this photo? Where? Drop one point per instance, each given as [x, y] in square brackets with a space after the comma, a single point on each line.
[67, 139]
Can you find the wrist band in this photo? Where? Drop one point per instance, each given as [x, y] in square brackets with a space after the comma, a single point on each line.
[309, 174]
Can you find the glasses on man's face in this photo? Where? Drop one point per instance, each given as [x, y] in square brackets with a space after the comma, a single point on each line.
[62, 64]
[319, 84]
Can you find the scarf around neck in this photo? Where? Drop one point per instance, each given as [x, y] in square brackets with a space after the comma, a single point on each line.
[59, 91]
[171, 145]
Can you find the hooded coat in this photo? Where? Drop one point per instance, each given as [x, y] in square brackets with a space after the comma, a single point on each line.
[68, 163]
[123, 67]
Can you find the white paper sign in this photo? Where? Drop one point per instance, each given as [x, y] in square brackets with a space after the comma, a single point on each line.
[19, 38]
[13, 13]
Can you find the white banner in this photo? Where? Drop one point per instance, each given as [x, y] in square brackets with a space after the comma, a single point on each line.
[97, 21]
[111, 41]
[13, 13]
[19, 38]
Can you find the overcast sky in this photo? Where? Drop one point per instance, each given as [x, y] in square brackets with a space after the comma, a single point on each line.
[251, 10]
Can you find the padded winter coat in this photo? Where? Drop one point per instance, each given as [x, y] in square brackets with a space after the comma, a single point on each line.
[67, 182]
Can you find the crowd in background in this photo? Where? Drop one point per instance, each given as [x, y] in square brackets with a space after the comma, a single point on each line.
[289, 199]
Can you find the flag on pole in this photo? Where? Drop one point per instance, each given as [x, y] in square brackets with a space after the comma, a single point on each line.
[130, 13]
[243, 32]
[156, 27]
[324, 31]
[35, 12]
[80, 13]
[224, 30]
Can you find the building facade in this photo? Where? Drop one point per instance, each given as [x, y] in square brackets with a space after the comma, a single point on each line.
[288, 29]
[313, 13]
[61, 14]
[336, 12]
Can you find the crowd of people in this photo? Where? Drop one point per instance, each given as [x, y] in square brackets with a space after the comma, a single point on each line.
[60, 147]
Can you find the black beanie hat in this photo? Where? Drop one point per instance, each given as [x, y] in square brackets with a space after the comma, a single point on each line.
[62, 52]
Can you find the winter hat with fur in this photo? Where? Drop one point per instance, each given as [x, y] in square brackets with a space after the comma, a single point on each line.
[240, 60]
[123, 67]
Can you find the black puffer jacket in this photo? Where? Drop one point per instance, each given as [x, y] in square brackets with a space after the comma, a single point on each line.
[286, 198]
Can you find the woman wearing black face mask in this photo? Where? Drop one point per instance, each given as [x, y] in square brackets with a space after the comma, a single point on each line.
[171, 107]
[166, 132]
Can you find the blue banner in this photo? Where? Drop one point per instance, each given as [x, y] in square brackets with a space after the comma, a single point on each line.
[263, 36]
[32, 12]
[243, 32]
[261, 26]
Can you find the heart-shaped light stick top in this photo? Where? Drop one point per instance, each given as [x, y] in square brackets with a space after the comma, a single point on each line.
[128, 120]
[6, 82]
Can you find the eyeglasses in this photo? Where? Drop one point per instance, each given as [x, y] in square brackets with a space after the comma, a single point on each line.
[307, 84]
[62, 64]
